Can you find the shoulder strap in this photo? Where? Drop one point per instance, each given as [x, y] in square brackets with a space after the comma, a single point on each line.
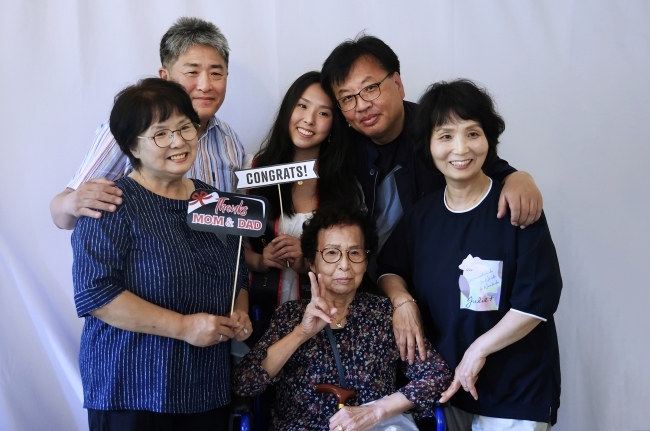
[337, 356]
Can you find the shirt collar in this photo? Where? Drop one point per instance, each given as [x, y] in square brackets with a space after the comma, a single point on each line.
[215, 122]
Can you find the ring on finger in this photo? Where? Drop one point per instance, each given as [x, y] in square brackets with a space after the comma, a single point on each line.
[245, 331]
[339, 427]
[220, 337]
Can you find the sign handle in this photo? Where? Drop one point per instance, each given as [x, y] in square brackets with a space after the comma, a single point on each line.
[281, 209]
[234, 288]
[282, 216]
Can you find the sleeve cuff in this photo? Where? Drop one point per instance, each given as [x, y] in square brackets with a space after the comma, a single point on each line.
[388, 273]
[93, 299]
[528, 314]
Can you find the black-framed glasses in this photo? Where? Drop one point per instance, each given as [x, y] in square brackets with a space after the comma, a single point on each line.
[163, 138]
[368, 93]
[333, 255]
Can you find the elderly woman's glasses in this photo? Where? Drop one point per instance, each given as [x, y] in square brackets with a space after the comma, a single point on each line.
[333, 255]
[371, 92]
[163, 138]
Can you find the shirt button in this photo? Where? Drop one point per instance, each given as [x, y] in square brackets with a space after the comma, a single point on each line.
[372, 172]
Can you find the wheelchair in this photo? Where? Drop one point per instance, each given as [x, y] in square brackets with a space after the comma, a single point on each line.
[249, 417]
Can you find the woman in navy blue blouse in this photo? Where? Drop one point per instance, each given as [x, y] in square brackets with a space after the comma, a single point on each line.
[156, 294]
[487, 289]
[295, 353]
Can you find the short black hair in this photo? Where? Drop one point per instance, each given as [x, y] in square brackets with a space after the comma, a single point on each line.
[445, 102]
[336, 67]
[332, 215]
[139, 106]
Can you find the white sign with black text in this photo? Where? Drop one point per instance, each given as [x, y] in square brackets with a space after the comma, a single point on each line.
[276, 174]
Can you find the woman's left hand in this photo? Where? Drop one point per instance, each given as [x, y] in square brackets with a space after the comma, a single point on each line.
[245, 328]
[466, 374]
[356, 418]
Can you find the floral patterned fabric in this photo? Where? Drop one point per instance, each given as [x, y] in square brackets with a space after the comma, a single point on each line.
[370, 359]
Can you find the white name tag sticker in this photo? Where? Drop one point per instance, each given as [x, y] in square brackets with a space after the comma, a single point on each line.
[480, 284]
[276, 174]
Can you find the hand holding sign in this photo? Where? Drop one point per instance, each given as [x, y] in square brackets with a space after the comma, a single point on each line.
[203, 329]
[279, 174]
[287, 248]
[267, 259]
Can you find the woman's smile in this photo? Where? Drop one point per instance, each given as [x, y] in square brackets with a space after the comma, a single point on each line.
[178, 157]
[305, 133]
[460, 164]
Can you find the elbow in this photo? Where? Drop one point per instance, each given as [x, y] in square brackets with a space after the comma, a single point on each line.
[245, 385]
[58, 215]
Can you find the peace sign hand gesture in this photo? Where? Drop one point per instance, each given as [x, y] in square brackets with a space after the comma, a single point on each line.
[318, 313]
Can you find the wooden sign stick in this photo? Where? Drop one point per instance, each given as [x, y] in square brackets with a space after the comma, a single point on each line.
[281, 210]
[234, 288]
[282, 216]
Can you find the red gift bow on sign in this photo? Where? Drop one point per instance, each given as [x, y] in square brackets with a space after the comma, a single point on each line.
[199, 196]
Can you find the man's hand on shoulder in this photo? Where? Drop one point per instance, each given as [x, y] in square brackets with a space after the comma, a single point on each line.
[85, 201]
[521, 194]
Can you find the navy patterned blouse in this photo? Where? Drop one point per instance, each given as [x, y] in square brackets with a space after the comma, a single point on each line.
[369, 356]
[147, 248]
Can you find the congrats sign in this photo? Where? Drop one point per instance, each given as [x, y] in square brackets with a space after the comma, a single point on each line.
[227, 213]
[276, 174]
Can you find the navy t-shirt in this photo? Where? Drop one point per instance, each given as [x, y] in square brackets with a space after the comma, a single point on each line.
[467, 270]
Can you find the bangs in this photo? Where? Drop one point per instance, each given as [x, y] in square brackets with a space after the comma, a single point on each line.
[156, 107]
[451, 109]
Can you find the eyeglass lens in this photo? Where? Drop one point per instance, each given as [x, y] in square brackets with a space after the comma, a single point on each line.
[165, 137]
[369, 93]
[333, 255]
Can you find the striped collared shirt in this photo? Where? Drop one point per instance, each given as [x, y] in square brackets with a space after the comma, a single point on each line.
[220, 153]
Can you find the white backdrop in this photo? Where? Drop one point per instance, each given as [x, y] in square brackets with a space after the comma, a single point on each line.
[570, 78]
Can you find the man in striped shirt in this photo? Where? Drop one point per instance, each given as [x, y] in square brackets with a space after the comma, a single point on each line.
[193, 53]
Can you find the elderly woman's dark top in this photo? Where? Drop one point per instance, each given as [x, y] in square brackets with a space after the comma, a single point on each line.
[147, 248]
[369, 356]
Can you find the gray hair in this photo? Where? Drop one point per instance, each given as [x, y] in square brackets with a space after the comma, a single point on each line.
[187, 32]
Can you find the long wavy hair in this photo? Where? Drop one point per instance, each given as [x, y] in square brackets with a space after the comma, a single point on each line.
[335, 166]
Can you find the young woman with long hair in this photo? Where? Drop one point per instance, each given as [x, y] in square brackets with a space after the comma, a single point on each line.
[305, 128]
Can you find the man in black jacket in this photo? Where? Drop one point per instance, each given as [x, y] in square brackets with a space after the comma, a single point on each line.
[363, 76]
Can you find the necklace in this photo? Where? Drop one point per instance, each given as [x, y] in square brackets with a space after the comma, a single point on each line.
[148, 187]
[300, 183]
[339, 323]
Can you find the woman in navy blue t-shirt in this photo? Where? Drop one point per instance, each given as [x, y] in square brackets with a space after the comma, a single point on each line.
[486, 289]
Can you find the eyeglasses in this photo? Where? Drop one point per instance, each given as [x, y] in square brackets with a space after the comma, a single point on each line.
[333, 255]
[163, 138]
[371, 92]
